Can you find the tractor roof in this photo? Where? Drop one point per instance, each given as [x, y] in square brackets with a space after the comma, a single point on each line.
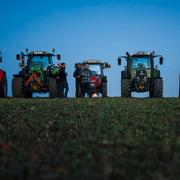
[39, 53]
[141, 53]
[98, 62]
[92, 61]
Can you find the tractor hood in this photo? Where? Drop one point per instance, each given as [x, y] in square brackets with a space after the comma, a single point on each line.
[36, 78]
[140, 73]
[36, 69]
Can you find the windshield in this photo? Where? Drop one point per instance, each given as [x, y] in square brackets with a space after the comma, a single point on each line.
[140, 62]
[95, 69]
[42, 61]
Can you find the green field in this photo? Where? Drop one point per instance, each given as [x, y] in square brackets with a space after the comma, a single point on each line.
[94, 138]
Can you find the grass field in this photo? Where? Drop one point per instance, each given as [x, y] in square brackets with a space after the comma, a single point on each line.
[95, 138]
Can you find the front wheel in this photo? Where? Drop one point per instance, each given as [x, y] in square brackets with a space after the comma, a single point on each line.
[54, 91]
[104, 89]
[157, 89]
[125, 88]
[18, 87]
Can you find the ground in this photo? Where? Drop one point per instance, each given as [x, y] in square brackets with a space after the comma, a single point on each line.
[98, 138]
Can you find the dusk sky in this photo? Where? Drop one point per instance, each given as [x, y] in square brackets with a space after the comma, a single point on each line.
[93, 29]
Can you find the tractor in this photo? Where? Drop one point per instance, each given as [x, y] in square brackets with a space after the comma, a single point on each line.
[3, 81]
[141, 74]
[38, 74]
[98, 79]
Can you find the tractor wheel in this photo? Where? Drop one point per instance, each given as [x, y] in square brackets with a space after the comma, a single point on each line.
[125, 88]
[17, 87]
[3, 88]
[104, 89]
[53, 88]
[157, 91]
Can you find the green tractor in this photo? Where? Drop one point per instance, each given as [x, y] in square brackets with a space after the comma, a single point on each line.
[98, 79]
[3, 81]
[141, 75]
[38, 74]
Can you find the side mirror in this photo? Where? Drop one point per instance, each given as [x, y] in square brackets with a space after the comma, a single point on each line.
[119, 61]
[0, 59]
[58, 57]
[161, 60]
[106, 65]
[18, 57]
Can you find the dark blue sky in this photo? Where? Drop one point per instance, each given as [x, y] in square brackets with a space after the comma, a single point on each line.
[102, 29]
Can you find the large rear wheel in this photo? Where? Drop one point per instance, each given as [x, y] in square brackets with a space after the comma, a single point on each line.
[125, 88]
[104, 89]
[18, 87]
[157, 89]
[54, 91]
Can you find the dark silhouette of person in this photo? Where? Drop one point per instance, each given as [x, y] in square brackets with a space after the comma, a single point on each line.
[77, 75]
[64, 87]
[86, 81]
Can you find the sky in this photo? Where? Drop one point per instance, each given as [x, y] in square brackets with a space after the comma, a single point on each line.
[93, 29]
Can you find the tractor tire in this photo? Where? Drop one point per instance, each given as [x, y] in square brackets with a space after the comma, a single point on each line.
[157, 91]
[125, 88]
[18, 87]
[3, 88]
[104, 89]
[54, 91]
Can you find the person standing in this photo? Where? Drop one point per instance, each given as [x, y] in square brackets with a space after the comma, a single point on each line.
[77, 75]
[64, 87]
[86, 81]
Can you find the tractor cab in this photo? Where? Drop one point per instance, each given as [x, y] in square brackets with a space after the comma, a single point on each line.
[140, 62]
[37, 58]
[42, 59]
[97, 67]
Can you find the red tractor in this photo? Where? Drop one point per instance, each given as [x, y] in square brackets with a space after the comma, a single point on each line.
[3, 82]
[98, 79]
